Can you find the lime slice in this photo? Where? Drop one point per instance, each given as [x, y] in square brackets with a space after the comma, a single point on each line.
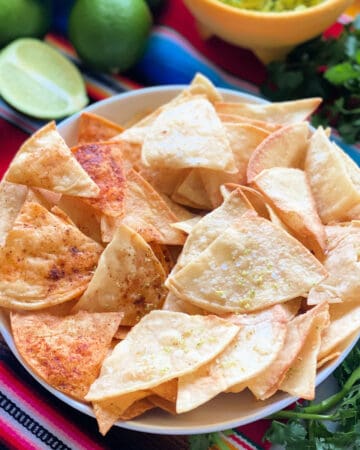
[39, 81]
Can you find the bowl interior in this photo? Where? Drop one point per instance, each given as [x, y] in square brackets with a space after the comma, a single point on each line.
[225, 411]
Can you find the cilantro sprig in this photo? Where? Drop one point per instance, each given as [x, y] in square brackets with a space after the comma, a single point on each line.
[327, 67]
[332, 424]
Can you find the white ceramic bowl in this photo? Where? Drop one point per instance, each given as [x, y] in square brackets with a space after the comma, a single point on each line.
[225, 411]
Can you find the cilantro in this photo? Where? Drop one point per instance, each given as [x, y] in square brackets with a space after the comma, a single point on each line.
[323, 67]
[306, 427]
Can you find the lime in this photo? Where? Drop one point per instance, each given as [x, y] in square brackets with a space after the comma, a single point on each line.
[23, 18]
[39, 81]
[109, 35]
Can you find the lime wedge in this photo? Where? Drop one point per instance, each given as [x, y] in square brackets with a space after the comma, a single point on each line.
[39, 81]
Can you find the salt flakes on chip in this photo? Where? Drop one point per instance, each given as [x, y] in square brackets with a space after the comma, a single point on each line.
[251, 265]
[162, 346]
[45, 161]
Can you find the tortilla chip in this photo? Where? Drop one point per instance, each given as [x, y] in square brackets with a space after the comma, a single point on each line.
[45, 260]
[93, 128]
[267, 382]
[107, 412]
[288, 192]
[83, 215]
[122, 282]
[344, 322]
[342, 264]
[162, 403]
[237, 119]
[164, 256]
[163, 180]
[300, 378]
[284, 113]
[212, 225]
[45, 161]
[199, 86]
[173, 303]
[253, 350]
[12, 198]
[170, 352]
[122, 332]
[188, 135]
[146, 213]
[167, 391]
[65, 351]
[191, 191]
[284, 148]
[224, 277]
[187, 225]
[334, 178]
[338, 350]
[244, 139]
[103, 163]
[180, 212]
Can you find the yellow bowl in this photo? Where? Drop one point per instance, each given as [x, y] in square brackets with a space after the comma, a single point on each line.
[269, 35]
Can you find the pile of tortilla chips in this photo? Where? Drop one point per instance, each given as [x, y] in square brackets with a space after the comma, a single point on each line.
[211, 247]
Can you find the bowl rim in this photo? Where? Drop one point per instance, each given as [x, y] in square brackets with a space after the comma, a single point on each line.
[320, 8]
[135, 425]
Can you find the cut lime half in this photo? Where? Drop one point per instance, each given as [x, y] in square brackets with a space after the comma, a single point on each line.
[39, 81]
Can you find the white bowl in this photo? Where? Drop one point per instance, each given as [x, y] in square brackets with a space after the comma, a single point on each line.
[225, 411]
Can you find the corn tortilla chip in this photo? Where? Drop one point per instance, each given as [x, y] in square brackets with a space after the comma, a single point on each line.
[283, 148]
[45, 260]
[334, 181]
[300, 378]
[103, 163]
[45, 161]
[342, 264]
[94, 128]
[65, 351]
[188, 135]
[162, 346]
[191, 191]
[237, 119]
[284, 113]
[224, 277]
[253, 350]
[288, 192]
[129, 279]
[12, 198]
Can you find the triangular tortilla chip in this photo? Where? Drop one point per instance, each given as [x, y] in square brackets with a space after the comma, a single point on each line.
[109, 411]
[237, 119]
[176, 344]
[94, 128]
[342, 263]
[300, 378]
[83, 215]
[253, 350]
[180, 212]
[334, 178]
[45, 260]
[191, 191]
[344, 321]
[65, 351]
[285, 113]
[188, 135]
[163, 404]
[243, 140]
[103, 163]
[12, 198]
[288, 192]
[199, 86]
[212, 225]
[173, 303]
[146, 213]
[187, 225]
[167, 390]
[122, 282]
[163, 180]
[45, 161]
[267, 383]
[250, 266]
[284, 148]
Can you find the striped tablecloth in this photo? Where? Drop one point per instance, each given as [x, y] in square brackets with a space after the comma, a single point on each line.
[30, 417]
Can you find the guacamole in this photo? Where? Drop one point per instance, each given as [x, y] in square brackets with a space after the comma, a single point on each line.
[272, 5]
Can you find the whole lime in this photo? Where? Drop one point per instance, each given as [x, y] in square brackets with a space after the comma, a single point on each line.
[23, 18]
[109, 35]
